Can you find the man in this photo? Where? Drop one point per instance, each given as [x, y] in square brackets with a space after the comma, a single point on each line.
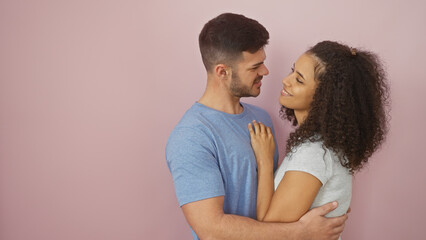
[209, 153]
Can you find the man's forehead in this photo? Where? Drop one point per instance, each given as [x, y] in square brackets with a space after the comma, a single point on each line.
[256, 58]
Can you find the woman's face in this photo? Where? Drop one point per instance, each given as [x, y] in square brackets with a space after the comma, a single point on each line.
[299, 87]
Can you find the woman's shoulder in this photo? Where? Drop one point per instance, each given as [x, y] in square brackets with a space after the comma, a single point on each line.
[314, 149]
[313, 144]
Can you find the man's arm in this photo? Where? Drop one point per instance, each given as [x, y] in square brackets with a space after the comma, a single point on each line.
[207, 219]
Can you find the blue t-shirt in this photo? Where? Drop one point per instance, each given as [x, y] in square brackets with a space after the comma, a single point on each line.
[209, 154]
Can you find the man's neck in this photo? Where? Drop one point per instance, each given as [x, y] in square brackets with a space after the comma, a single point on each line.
[222, 101]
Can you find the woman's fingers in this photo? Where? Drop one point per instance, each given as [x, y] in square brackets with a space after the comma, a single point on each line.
[250, 128]
[268, 131]
[262, 128]
[256, 127]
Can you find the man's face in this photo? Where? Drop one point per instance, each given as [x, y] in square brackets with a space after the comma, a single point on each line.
[248, 73]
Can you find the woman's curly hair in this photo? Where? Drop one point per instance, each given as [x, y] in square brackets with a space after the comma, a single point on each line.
[349, 108]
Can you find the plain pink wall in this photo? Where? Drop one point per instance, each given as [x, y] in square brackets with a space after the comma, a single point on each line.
[90, 90]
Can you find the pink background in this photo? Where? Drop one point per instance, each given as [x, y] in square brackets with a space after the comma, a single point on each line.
[90, 90]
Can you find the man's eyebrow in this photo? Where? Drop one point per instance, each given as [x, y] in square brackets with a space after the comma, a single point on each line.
[257, 64]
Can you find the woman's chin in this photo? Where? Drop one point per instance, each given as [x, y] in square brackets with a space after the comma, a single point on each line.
[283, 102]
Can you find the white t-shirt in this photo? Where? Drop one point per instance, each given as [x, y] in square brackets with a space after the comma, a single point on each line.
[322, 163]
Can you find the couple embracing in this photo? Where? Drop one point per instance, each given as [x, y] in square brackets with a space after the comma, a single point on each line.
[223, 155]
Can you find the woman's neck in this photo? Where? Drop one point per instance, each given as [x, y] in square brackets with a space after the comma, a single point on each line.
[301, 116]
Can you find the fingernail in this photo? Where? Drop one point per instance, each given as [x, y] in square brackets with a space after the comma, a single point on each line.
[334, 203]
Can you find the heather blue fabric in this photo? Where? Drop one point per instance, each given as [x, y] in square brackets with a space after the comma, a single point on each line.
[209, 154]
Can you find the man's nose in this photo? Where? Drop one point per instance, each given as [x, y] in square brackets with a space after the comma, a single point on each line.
[265, 71]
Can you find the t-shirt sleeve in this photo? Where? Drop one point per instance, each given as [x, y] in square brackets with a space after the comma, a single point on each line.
[191, 158]
[311, 158]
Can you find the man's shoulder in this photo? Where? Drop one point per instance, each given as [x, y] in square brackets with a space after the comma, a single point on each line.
[193, 117]
[192, 133]
[192, 125]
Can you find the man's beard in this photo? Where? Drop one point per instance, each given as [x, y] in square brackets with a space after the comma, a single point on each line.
[239, 90]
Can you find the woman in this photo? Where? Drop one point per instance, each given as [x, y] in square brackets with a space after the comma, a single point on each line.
[337, 97]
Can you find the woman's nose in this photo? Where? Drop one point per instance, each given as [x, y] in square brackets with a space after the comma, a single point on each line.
[286, 81]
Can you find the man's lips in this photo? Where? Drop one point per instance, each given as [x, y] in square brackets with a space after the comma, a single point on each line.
[258, 81]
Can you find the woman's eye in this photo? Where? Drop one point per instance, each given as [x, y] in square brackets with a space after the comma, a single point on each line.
[299, 81]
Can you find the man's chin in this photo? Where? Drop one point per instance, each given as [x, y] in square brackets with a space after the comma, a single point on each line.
[253, 94]
[256, 93]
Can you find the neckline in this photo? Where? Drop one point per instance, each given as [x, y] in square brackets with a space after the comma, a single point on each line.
[239, 115]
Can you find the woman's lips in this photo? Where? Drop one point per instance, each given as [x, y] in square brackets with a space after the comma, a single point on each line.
[285, 93]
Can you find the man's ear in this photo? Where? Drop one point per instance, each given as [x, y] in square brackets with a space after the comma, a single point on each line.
[222, 71]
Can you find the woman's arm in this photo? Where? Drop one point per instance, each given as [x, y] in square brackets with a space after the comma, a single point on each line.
[296, 191]
[262, 142]
[293, 197]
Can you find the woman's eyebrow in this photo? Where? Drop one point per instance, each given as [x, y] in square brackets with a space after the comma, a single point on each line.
[294, 67]
[301, 75]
